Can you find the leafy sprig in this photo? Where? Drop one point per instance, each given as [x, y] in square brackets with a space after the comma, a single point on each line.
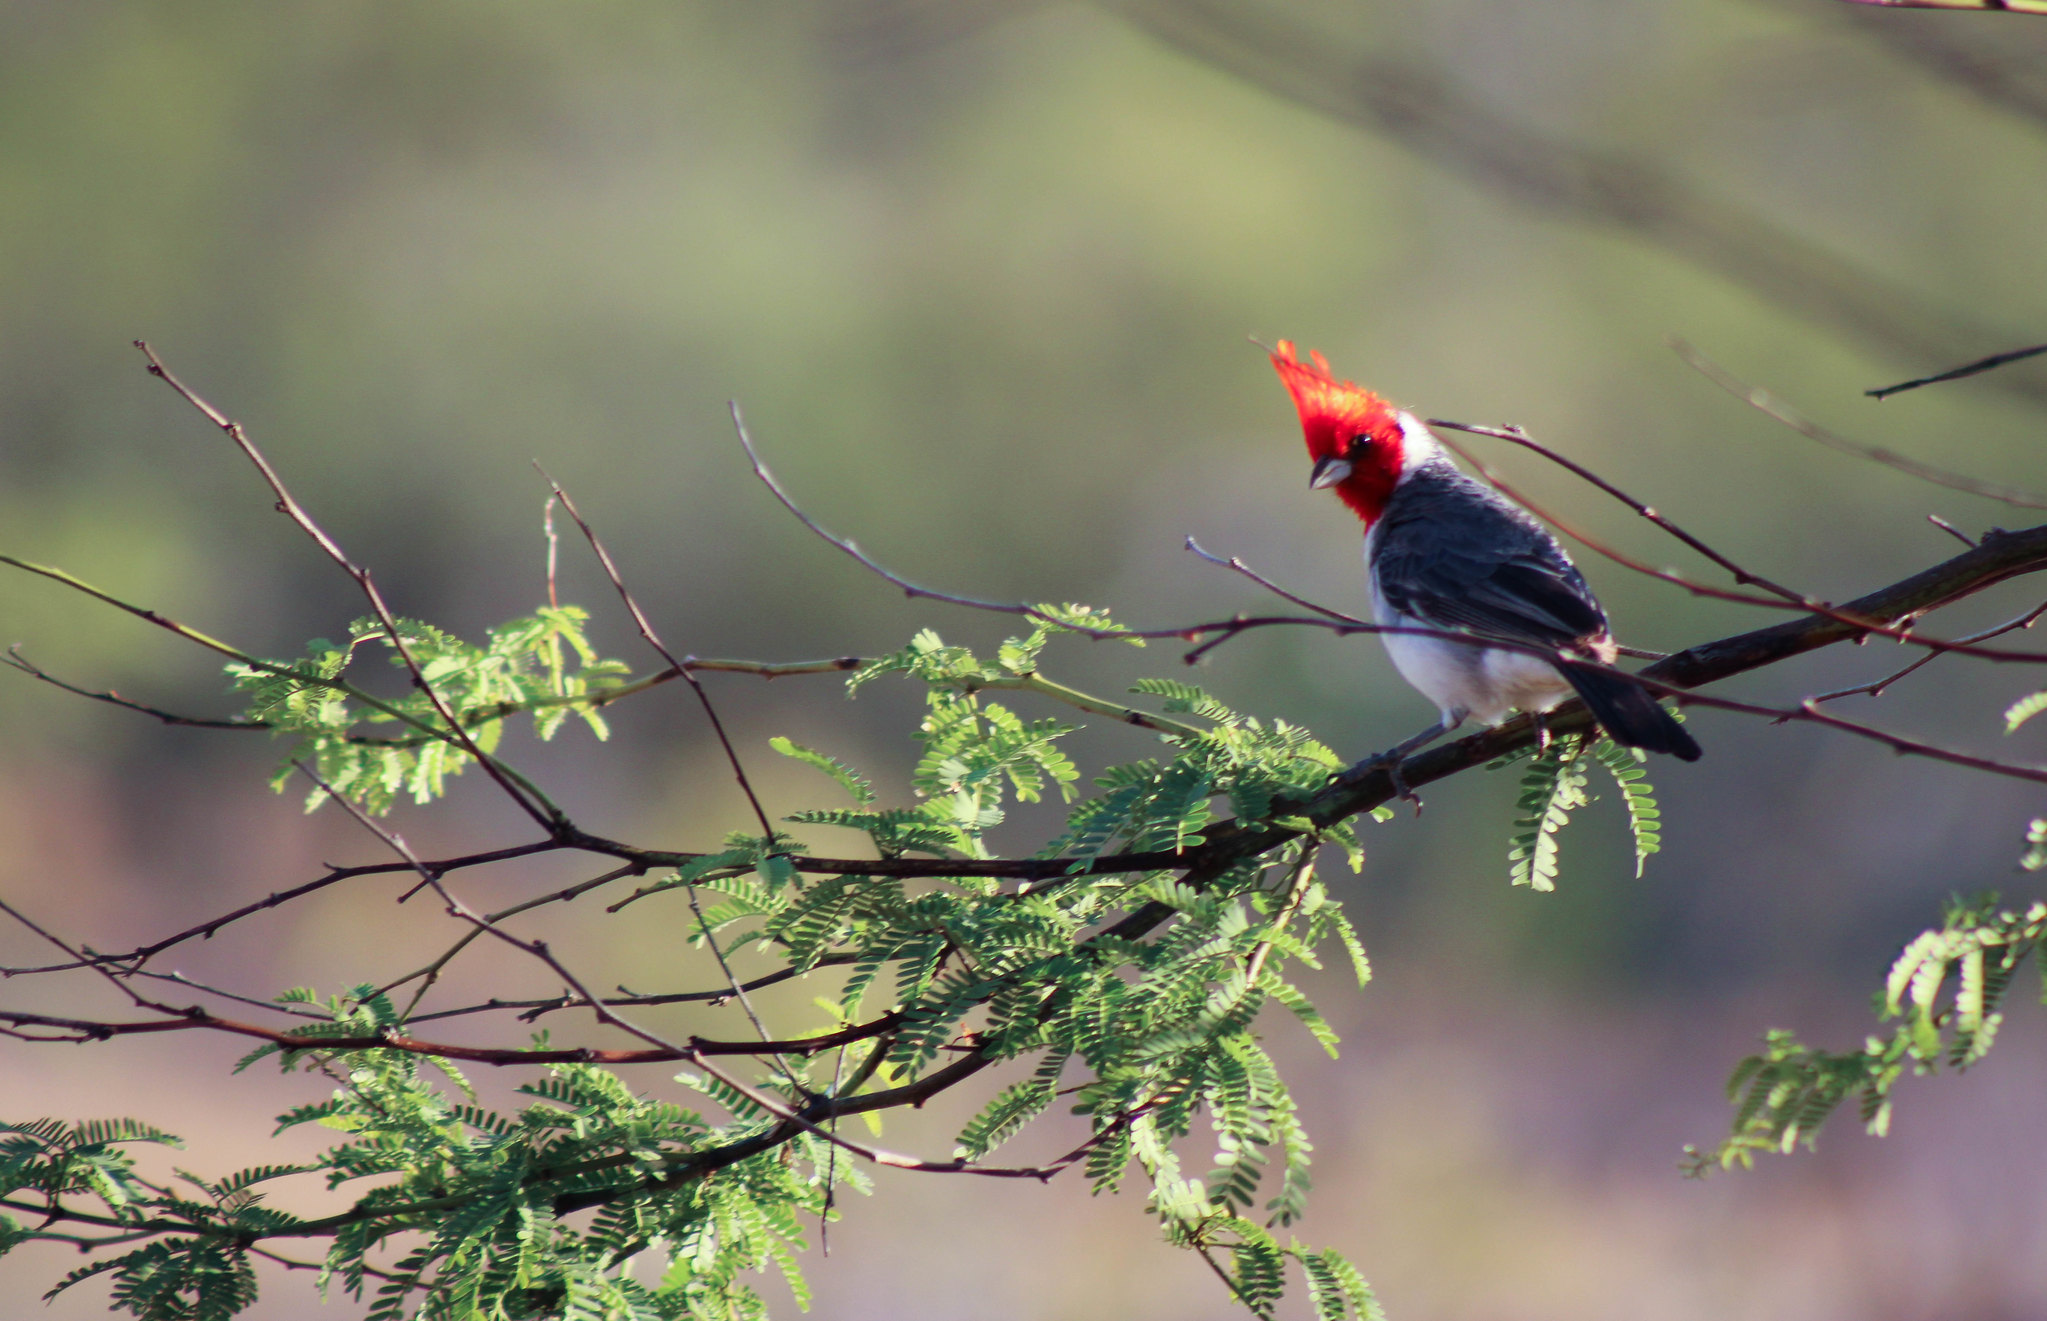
[543, 665]
[1945, 991]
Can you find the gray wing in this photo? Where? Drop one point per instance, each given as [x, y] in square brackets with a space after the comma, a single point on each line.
[1455, 554]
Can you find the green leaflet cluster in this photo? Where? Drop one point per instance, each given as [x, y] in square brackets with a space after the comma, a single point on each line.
[48, 1161]
[1133, 997]
[473, 1201]
[1555, 785]
[543, 664]
[1158, 1032]
[2035, 856]
[1945, 989]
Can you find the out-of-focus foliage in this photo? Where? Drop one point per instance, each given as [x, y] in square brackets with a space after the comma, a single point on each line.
[1946, 988]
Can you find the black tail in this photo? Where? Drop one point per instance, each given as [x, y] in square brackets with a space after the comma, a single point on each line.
[1629, 712]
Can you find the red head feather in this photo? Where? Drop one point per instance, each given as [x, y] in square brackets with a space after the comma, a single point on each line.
[1343, 420]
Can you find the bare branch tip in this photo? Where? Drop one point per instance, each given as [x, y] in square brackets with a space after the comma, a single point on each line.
[1952, 530]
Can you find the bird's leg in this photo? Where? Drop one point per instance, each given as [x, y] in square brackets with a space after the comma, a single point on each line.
[1391, 758]
[1542, 734]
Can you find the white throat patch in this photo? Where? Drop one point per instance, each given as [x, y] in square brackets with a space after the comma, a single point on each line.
[1417, 443]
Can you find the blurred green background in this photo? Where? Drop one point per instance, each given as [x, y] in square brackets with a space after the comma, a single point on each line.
[982, 274]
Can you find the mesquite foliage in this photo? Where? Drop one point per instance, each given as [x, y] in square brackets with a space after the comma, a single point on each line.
[1125, 970]
[450, 1208]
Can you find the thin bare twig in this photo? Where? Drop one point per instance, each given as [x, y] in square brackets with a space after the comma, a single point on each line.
[1807, 711]
[431, 973]
[553, 546]
[1236, 565]
[538, 949]
[653, 639]
[1957, 373]
[739, 989]
[212, 926]
[1216, 632]
[1771, 406]
[1296, 891]
[427, 731]
[691, 1051]
[520, 790]
[162, 621]
[22, 663]
[1876, 689]
[1514, 435]
[1782, 598]
[831, 1168]
[82, 959]
[534, 1010]
[776, 669]
[294, 1263]
[867, 561]
[1951, 529]
[1202, 1250]
[180, 979]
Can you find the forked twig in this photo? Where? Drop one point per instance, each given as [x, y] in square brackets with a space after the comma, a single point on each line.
[868, 562]
[521, 791]
[1876, 689]
[1236, 565]
[677, 664]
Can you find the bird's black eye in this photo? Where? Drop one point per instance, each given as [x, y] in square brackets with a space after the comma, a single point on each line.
[1358, 445]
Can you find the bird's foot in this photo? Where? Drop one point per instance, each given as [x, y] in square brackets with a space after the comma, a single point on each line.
[1389, 761]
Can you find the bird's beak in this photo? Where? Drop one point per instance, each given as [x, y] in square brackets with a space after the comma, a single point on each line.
[1328, 472]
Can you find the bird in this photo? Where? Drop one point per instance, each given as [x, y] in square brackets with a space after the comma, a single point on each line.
[1447, 554]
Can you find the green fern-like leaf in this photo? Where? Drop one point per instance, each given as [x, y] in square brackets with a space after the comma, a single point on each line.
[2023, 710]
[1552, 788]
[1645, 820]
[2035, 856]
[849, 779]
[1004, 1116]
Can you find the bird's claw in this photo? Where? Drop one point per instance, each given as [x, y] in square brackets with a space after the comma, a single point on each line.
[1390, 762]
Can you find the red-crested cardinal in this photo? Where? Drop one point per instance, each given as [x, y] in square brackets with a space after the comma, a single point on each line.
[1446, 553]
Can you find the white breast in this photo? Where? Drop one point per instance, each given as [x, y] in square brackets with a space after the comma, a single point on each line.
[1464, 679]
